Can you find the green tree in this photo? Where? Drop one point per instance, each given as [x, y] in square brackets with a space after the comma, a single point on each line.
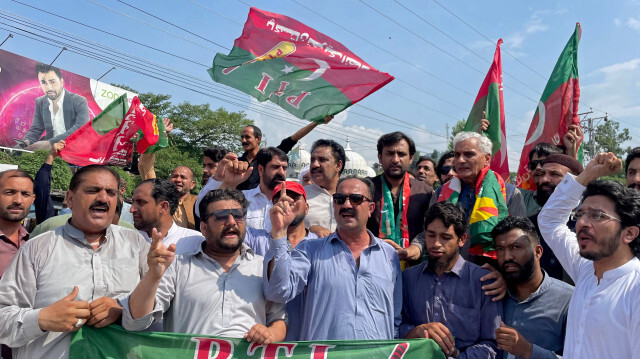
[609, 138]
[169, 158]
[457, 128]
[60, 173]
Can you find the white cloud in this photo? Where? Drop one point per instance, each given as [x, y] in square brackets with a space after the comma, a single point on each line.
[535, 25]
[514, 40]
[617, 92]
[634, 23]
[617, 22]
[624, 66]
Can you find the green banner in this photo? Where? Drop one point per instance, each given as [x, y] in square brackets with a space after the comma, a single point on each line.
[115, 342]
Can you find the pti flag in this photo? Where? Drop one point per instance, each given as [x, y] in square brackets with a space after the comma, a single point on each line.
[302, 70]
[490, 101]
[115, 342]
[557, 109]
[106, 139]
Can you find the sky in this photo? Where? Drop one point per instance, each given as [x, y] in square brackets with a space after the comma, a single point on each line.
[439, 52]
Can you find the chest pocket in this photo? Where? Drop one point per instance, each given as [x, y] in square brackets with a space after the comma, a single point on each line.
[124, 274]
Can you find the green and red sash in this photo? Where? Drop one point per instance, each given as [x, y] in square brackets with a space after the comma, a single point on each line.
[395, 227]
[489, 208]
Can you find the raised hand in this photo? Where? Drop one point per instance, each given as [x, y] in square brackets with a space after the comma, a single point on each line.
[160, 257]
[484, 123]
[65, 315]
[511, 341]
[604, 164]
[168, 125]
[282, 213]
[57, 147]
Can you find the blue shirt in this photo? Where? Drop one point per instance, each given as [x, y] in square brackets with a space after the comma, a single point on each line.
[258, 240]
[542, 318]
[341, 300]
[456, 300]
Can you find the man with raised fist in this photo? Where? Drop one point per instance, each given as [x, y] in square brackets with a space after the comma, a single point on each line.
[72, 275]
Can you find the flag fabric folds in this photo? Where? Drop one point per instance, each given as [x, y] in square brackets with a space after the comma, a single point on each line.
[557, 108]
[106, 139]
[305, 72]
[490, 101]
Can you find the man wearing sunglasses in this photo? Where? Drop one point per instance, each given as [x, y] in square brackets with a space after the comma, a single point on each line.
[154, 204]
[351, 280]
[536, 156]
[445, 168]
[215, 291]
[601, 257]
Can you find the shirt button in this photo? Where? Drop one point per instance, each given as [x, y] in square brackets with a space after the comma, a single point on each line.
[439, 283]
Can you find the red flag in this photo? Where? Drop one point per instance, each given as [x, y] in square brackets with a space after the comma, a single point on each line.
[107, 138]
[557, 109]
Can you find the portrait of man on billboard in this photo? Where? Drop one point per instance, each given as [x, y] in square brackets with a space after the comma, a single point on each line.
[57, 114]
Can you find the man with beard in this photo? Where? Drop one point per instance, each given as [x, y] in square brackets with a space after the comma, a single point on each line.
[72, 275]
[632, 168]
[215, 291]
[547, 177]
[400, 201]
[350, 279]
[445, 168]
[182, 177]
[426, 171]
[326, 165]
[443, 298]
[601, 258]
[536, 307]
[250, 139]
[272, 169]
[154, 203]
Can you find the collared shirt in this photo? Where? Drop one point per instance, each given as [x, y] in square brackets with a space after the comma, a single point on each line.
[342, 300]
[8, 248]
[45, 270]
[258, 240]
[604, 320]
[184, 213]
[530, 199]
[186, 240]
[57, 119]
[541, 319]
[198, 296]
[320, 208]
[259, 205]
[60, 220]
[126, 214]
[456, 300]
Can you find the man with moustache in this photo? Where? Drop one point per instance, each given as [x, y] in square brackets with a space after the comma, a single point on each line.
[632, 168]
[229, 300]
[601, 257]
[154, 203]
[536, 306]
[182, 177]
[400, 201]
[72, 275]
[58, 113]
[327, 162]
[272, 170]
[350, 279]
[250, 139]
[443, 298]
[547, 176]
[426, 171]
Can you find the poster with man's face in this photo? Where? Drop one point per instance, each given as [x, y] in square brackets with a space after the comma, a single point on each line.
[23, 85]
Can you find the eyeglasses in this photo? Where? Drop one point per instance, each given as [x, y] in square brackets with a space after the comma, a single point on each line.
[533, 164]
[222, 215]
[444, 170]
[594, 215]
[355, 199]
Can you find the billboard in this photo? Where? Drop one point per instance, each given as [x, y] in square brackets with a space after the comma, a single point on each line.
[38, 102]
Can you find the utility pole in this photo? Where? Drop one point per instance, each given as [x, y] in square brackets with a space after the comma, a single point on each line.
[589, 127]
[448, 139]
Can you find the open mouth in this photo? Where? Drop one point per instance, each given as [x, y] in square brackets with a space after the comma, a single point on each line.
[231, 232]
[436, 254]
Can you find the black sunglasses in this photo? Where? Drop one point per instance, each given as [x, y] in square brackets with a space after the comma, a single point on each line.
[444, 170]
[533, 164]
[355, 199]
[222, 215]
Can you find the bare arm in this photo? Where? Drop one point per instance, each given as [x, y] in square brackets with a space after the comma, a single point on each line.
[308, 128]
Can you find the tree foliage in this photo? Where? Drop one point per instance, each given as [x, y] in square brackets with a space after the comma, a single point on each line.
[60, 173]
[609, 138]
[457, 128]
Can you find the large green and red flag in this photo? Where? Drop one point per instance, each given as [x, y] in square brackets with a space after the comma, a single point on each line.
[300, 69]
[557, 109]
[491, 102]
[115, 342]
[106, 139]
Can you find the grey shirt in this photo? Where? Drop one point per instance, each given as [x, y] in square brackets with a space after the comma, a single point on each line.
[45, 270]
[542, 318]
[198, 296]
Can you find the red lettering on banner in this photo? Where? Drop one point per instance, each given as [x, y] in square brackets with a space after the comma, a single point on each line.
[223, 348]
[399, 351]
[320, 351]
[280, 92]
[295, 100]
[270, 351]
[227, 70]
[264, 82]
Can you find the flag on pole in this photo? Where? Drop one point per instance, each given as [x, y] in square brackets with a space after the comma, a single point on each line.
[305, 72]
[557, 109]
[490, 101]
[106, 139]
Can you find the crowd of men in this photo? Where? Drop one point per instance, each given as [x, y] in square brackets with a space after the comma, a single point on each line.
[410, 253]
